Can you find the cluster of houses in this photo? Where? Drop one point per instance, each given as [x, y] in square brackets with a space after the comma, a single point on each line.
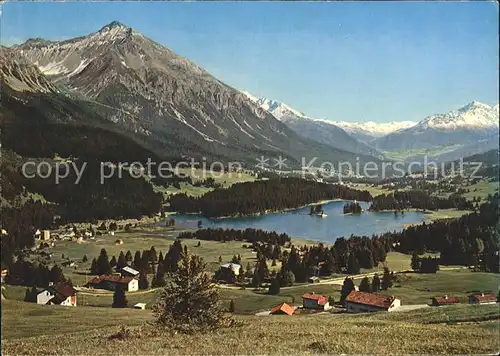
[480, 298]
[361, 302]
[127, 278]
[64, 294]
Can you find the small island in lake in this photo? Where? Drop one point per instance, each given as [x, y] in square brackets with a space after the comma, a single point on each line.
[317, 210]
[352, 208]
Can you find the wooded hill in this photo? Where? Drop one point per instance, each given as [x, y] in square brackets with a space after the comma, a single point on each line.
[262, 196]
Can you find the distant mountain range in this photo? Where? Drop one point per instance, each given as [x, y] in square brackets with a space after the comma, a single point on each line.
[469, 130]
[152, 95]
[119, 80]
[315, 129]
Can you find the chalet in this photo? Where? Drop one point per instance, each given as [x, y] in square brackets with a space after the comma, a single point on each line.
[483, 298]
[314, 301]
[234, 267]
[359, 302]
[445, 300]
[129, 272]
[110, 281]
[283, 308]
[59, 294]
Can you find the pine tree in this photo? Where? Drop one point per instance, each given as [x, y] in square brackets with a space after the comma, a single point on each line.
[375, 283]
[119, 297]
[365, 286]
[93, 268]
[103, 265]
[112, 262]
[274, 288]
[415, 262]
[386, 279]
[347, 288]
[159, 278]
[231, 306]
[85, 258]
[353, 264]
[128, 256]
[122, 261]
[137, 264]
[190, 301]
[56, 274]
[143, 280]
[153, 256]
[220, 259]
[262, 270]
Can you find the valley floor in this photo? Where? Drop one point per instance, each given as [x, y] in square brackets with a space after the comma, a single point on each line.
[32, 329]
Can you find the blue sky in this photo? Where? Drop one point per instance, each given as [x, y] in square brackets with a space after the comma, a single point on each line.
[342, 61]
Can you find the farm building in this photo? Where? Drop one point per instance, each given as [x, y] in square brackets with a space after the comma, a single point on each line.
[483, 298]
[283, 308]
[359, 302]
[314, 279]
[314, 301]
[234, 267]
[437, 301]
[110, 281]
[141, 306]
[60, 294]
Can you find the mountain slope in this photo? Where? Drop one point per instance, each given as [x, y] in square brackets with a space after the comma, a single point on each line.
[323, 131]
[467, 125]
[171, 100]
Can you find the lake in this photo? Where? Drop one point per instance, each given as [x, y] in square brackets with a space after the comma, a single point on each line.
[298, 222]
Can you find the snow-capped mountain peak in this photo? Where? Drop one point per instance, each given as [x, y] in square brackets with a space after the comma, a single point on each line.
[278, 109]
[375, 129]
[475, 115]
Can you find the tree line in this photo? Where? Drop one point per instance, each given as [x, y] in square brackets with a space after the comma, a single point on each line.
[248, 235]
[258, 197]
[418, 199]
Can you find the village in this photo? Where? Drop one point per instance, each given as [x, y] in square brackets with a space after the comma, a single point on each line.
[127, 279]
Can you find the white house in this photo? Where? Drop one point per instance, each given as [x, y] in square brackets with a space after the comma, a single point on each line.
[60, 294]
[360, 302]
[234, 267]
[110, 281]
[141, 306]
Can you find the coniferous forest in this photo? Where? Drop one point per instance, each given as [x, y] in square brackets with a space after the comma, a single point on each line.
[248, 235]
[258, 197]
[418, 199]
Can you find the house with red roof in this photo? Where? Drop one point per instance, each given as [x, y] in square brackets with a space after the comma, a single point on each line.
[483, 298]
[283, 308]
[361, 302]
[314, 301]
[111, 281]
[445, 300]
[59, 294]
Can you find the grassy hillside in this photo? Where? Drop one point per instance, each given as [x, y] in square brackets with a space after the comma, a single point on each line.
[31, 329]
